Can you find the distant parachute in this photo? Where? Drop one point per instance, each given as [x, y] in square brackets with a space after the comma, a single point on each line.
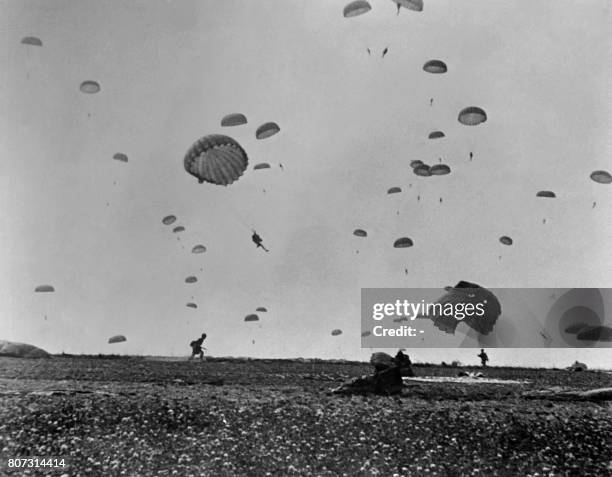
[31, 40]
[336, 332]
[358, 7]
[216, 159]
[178, 229]
[403, 242]
[365, 333]
[120, 157]
[394, 190]
[360, 233]
[169, 220]
[416, 163]
[262, 165]
[90, 87]
[436, 135]
[192, 305]
[117, 339]
[266, 130]
[435, 67]
[252, 317]
[191, 279]
[546, 193]
[198, 249]
[596, 333]
[506, 240]
[235, 119]
[261, 309]
[602, 177]
[44, 289]
[415, 5]
[422, 170]
[439, 170]
[472, 116]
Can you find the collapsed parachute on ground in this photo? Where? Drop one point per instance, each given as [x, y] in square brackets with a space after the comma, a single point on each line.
[403, 242]
[216, 159]
[336, 332]
[261, 165]
[596, 333]
[266, 130]
[439, 170]
[423, 170]
[120, 157]
[178, 229]
[435, 67]
[394, 190]
[366, 334]
[505, 240]
[21, 350]
[192, 305]
[198, 249]
[117, 339]
[416, 163]
[235, 119]
[472, 116]
[191, 279]
[44, 289]
[546, 193]
[358, 7]
[601, 177]
[261, 309]
[31, 40]
[169, 220]
[252, 317]
[414, 5]
[436, 135]
[360, 233]
[90, 87]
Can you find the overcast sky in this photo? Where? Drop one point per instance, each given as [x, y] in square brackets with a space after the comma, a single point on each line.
[350, 124]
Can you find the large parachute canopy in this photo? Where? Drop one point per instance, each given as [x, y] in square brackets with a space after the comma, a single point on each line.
[169, 220]
[90, 87]
[358, 7]
[266, 130]
[178, 229]
[472, 116]
[436, 135]
[192, 305]
[216, 159]
[439, 170]
[117, 339]
[251, 317]
[602, 177]
[262, 309]
[435, 67]
[336, 332]
[365, 334]
[596, 333]
[546, 193]
[191, 279]
[394, 190]
[198, 249]
[403, 242]
[31, 40]
[416, 163]
[506, 240]
[44, 289]
[360, 233]
[235, 119]
[415, 5]
[422, 170]
[261, 165]
[120, 157]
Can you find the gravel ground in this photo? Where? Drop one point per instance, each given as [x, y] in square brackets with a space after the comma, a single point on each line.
[140, 417]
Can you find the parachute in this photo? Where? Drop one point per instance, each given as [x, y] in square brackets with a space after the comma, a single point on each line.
[266, 130]
[436, 135]
[198, 249]
[505, 240]
[416, 163]
[120, 157]
[216, 159]
[169, 220]
[422, 170]
[403, 242]
[365, 334]
[261, 165]
[596, 333]
[31, 40]
[178, 229]
[394, 190]
[415, 5]
[252, 317]
[117, 339]
[435, 67]
[360, 233]
[336, 332]
[602, 177]
[192, 305]
[472, 116]
[191, 279]
[235, 119]
[44, 289]
[546, 193]
[90, 87]
[261, 309]
[439, 170]
[358, 7]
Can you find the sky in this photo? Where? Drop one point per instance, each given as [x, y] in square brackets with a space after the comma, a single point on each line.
[350, 125]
